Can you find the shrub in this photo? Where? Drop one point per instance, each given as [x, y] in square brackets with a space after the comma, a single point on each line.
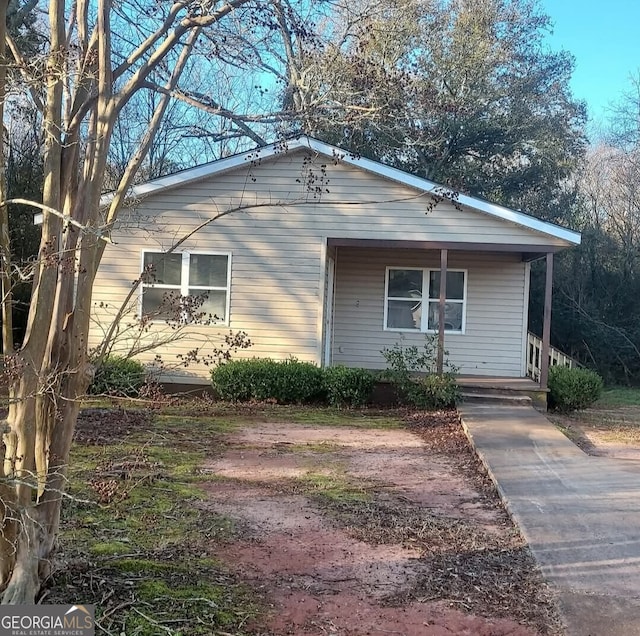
[412, 371]
[233, 380]
[292, 382]
[440, 391]
[404, 361]
[348, 387]
[573, 389]
[287, 382]
[118, 376]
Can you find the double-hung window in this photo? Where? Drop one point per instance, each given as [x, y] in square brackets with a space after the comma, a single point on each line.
[412, 300]
[172, 281]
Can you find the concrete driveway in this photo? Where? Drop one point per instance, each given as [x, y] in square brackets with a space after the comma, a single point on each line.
[580, 514]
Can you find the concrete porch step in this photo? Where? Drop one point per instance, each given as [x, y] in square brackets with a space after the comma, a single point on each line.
[496, 397]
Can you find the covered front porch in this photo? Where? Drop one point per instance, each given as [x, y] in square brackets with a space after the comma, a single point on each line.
[470, 300]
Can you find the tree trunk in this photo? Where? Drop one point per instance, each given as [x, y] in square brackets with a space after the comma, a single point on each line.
[24, 583]
[32, 527]
[18, 471]
[51, 372]
[7, 526]
[5, 243]
[35, 379]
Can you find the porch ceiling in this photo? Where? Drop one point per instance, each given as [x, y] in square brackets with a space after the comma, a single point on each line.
[529, 252]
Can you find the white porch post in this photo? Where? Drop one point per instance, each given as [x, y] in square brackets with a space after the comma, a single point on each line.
[441, 309]
[546, 326]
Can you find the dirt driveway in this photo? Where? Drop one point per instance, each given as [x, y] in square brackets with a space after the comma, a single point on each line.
[354, 530]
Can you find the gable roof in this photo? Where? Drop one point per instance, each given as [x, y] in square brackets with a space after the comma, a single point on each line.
[204, 171]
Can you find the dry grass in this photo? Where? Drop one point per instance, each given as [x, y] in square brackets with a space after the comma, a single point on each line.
[605, 424]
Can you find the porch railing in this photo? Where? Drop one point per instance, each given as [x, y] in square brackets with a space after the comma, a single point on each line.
[534, 357]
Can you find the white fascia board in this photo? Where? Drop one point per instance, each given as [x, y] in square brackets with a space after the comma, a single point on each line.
[207, 170]
[181, 178]
[229, 163]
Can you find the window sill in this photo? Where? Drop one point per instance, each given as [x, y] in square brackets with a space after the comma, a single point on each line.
[419, 331]
[160, 321]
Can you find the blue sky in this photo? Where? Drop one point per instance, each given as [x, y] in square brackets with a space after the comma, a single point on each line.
[604, 38]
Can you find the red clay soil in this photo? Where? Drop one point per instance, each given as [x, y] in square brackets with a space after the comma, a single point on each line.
[322, 571]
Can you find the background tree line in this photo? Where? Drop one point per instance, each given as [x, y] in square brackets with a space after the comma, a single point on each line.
[597, 299]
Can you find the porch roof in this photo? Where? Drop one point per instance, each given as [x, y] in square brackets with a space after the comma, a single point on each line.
[529, 252]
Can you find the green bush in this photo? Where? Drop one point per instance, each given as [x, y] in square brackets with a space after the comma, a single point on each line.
[412, 372]
[431, 391]
[118, 376]
[234, 380]
[348, 387]
[440, 391]
[286, 382]
[573, 389]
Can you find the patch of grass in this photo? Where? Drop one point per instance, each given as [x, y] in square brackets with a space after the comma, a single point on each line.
[336, 417]
[619, 396]
[144, 566]
[169, 600]
[207, 604]
[310, 447]
[133, 534]
[107, 402]
[246, 414]
[109, 548]
[333, 487]
[203, 424]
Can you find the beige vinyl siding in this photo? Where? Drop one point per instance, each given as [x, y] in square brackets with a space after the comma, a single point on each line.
[277, 278]
[273, 298]
[378, 208]
[492, 342]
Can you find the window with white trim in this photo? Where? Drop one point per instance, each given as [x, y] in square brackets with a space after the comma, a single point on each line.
[407, 289]
[184, 280]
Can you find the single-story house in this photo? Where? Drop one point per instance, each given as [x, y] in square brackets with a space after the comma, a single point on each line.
[327, 257]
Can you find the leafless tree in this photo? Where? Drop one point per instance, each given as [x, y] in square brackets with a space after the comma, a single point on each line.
[100, 57]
